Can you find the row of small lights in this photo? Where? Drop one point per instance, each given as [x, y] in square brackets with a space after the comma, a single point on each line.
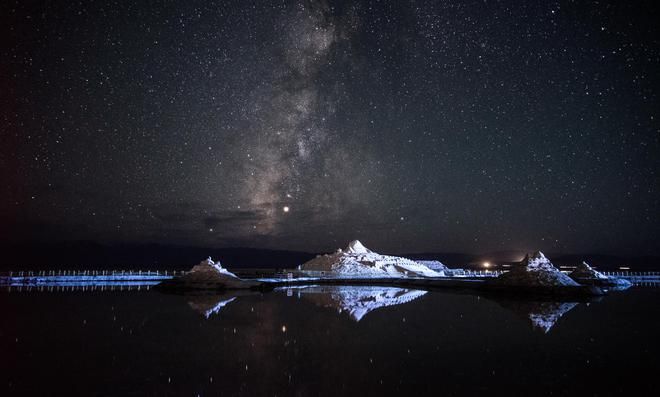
[487, 265]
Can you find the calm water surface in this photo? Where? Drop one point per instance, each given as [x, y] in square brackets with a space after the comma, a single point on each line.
[326, 341]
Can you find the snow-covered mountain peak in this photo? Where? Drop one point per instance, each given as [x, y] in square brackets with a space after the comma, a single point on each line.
[356, 247]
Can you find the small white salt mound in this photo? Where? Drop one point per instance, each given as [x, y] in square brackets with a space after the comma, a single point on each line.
[209, 268]
[358, 261]
[587, 272]
[535, 271]
[538, 261]
[356, 247]
[210, 275]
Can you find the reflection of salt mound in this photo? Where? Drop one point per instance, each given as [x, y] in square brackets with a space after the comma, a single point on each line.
[358, 261]
[585, 274]
[542, 315]
[208, 305]
[535, 271]
[358, 301]
[547, 314]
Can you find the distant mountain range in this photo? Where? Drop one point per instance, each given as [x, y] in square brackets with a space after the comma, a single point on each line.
[76, 255]
[92, 255]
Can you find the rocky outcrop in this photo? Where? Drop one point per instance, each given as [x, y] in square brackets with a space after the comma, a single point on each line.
[535, 271]
[358, 261]
[586, 275]
[208, 275]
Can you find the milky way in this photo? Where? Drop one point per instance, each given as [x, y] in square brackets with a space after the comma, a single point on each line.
[292, 145]
[411, 125]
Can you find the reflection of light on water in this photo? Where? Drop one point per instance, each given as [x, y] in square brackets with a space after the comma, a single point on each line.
[81, 287]
[547, 314]
[541, 315]
[358, 301]
[209, 305]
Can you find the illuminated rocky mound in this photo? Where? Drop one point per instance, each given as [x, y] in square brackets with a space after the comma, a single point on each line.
[208, 275]
[358, 261]
[585, 271]
[535, 271]
[585, 274]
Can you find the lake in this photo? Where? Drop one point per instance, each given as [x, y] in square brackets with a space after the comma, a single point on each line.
[326, 341]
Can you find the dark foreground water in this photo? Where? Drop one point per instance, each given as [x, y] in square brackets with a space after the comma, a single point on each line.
[327, 341]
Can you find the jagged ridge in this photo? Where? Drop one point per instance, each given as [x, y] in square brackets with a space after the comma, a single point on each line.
[358, 261]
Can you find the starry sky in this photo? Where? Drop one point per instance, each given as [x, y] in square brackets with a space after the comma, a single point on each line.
[413, 125]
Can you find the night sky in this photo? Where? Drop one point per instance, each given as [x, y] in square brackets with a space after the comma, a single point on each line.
[412, 125]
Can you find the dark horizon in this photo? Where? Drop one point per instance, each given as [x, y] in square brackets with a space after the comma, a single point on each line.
[86, 255]
[380, 249]
[414, 126]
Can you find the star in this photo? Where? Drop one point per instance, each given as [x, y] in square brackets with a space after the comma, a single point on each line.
[433, 124]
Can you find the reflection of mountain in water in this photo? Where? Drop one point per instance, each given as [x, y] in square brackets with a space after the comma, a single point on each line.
[548, 313]
[358, 301]
[542, 315]
[208, 305]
